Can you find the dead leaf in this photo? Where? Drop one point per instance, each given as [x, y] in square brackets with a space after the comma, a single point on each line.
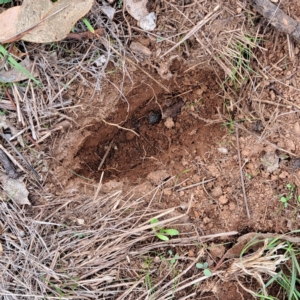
[5, 123]
[108, 11]
[13, 75]
[8, 21]
[138, 10]
[63, 16]
[15, 189]
[42, 21]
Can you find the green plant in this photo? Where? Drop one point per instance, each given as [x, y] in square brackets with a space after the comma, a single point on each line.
[279, 258]
[4, 1]
[88, 25]
[161, 232]
[286, 199]
[120, 3]
[174, 257]
[179, 175]
[16, 65]
[204, 267]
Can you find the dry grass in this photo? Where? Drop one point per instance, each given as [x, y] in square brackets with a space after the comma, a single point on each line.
[47, 254]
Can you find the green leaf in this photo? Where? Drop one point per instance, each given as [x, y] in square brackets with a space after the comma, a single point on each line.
[207, 272]
[17, 66]
[4, 1]
[171, 232]
[162, 237]
[153, 221]
[88, 25]
[199, 265]
[205, 265]
[283, 199]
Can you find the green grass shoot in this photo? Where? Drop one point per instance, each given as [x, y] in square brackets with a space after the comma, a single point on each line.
[17, 66]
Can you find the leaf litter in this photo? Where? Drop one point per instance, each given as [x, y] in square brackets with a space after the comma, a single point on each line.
[42, 21]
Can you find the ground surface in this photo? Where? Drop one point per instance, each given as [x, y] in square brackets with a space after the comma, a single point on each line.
[187, 126]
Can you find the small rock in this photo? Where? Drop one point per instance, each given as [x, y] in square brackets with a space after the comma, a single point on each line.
[167, 192]
[223, 150]
[154, 118]
[232, 206]
[199, 92]
[223, 200]
[157, 259]
[191, 253]
[111, 186]
[169, 123]
[139, 48]
[297, 128]
[129, 135]
[295, 164]
[270, 161]
[80, 221]
[148, 22]
[217, 192]
[283, 175]
[157, 177]
[217, 251]
[206, 220]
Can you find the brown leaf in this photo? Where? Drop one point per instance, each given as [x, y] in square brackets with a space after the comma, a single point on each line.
[41, 21]
[13, 75]
[8, 21]
[55, 20]
[15, 189]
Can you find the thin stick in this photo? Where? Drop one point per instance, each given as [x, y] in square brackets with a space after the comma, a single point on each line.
[195, 184]
[120, 127]
[241, 171]
[136, 65]
[193, 30]
[22, 157]
[12, 158]
[99, 187]
[105, 155]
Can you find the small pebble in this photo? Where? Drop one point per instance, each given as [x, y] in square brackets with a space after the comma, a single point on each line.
[154, 118]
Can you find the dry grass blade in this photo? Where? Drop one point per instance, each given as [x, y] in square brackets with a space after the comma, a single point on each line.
[195, 28]
[82, 249]
[262, 262]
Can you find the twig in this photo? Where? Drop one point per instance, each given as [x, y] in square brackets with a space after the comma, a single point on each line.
[193, 30]
[195, 184]
[10, 99]
[136, 65]
[86, 35]
[22, 157]
[99, 187]
[106, 153]
[241, 171]
[9, 168]
[12, 158]
[120, 127]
